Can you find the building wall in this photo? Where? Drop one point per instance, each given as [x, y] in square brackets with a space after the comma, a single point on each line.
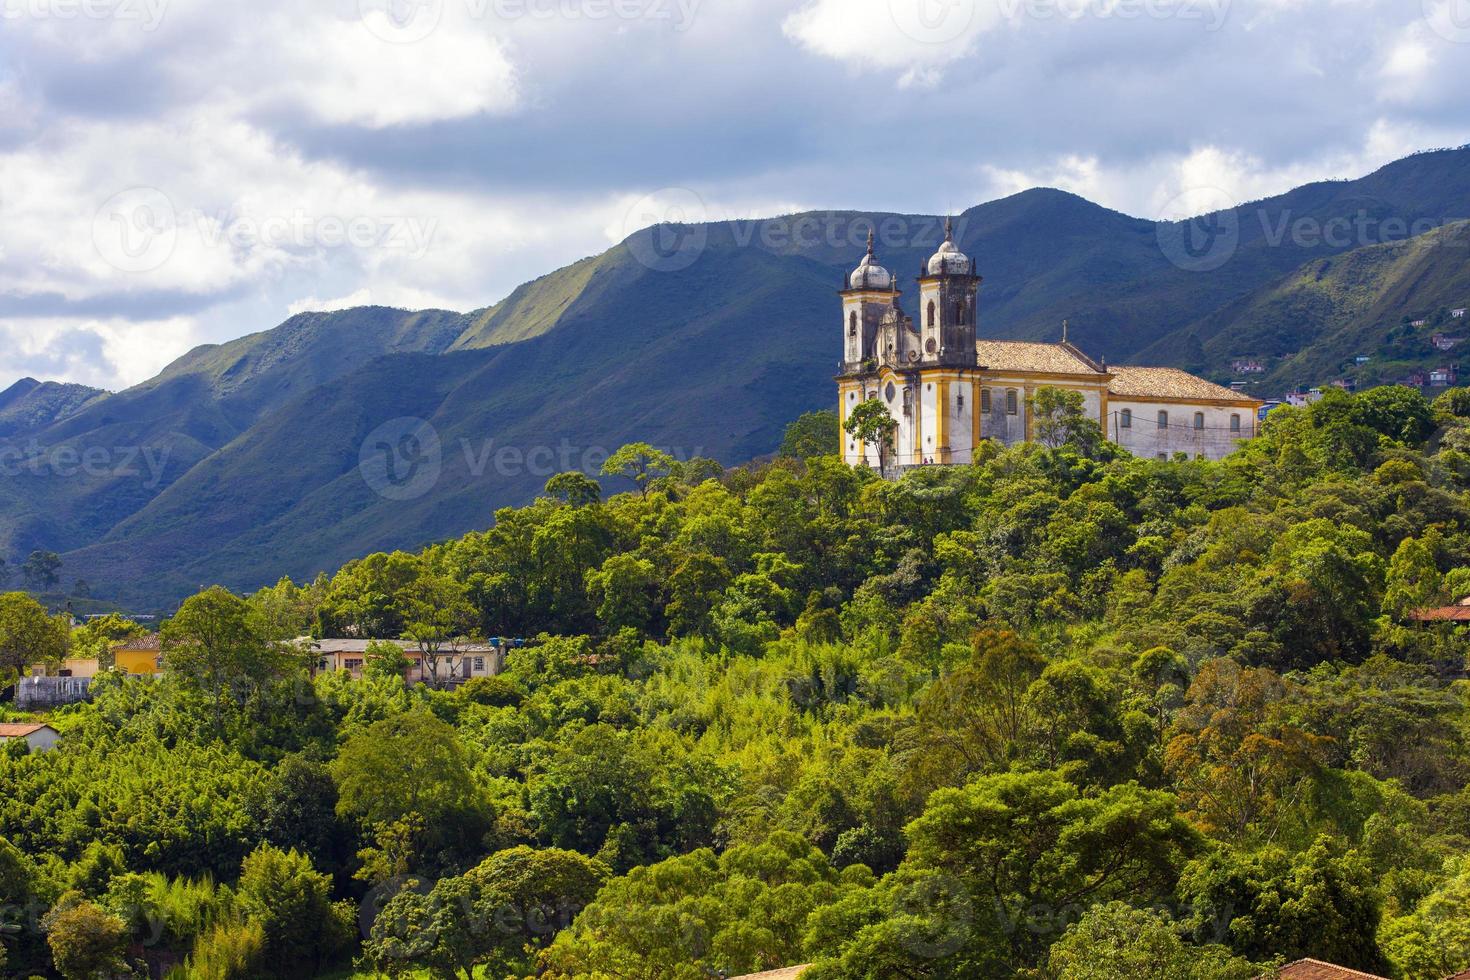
[1145, 438]
[137, 661]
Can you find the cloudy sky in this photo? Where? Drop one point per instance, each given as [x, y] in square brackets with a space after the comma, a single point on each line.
[176, 172]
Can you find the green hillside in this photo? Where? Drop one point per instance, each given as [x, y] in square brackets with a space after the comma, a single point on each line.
[253, 446]
[1313, 325]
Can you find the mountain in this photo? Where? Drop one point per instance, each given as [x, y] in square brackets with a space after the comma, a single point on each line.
[1313, 324]
[29, 405]
[255, 458]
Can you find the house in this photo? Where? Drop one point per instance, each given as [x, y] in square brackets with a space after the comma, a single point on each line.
[1458, 314]
[1346, 384]
[1362, 358]
[1248, 367]
[472, 660]
[1417, 378]
[1418, 323]
[143, 655]
[39, 738]
[1317, 970]
[1301, 399]
[1445, 341]
[1442, 377]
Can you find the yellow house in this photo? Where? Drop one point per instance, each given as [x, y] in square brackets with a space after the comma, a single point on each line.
[139, 656]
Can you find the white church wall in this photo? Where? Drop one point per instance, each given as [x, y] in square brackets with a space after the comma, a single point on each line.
[1135, 426]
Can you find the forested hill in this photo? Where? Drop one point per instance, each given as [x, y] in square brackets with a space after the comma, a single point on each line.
[1061, 715]
[242, 460]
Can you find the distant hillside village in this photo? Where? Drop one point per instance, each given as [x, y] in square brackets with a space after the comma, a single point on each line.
[1418, 352]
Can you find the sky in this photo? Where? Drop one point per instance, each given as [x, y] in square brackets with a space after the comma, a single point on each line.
[179, 172]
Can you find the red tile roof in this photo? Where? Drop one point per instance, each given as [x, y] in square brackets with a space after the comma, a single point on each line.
[1444, 614]
[1317, 970]
[13, 730]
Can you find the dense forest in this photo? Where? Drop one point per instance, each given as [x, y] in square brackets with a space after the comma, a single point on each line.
[1061, 714]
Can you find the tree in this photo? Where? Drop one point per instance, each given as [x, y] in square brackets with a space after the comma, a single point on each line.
[385, 658]
[1396, 411]
[28, 635]
[813, 434]
[1413, 581]
[409, 764]
[1061, 420]
[87, 942]
[641, 463]
[42, 570]
[291, 901]
[1322, 903]
[627, 590]
[213, 644]
[1432, 941]
[574, 488]
[98, 637]
[438, 618]
[1030, 848]
[871, 424]
[699, 914]
[1117, 942]
[495, 916]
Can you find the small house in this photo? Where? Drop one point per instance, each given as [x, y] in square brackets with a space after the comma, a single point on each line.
[1418, 323]
[467, 661]
[1458, 314]
[40, 738]
[1443, 341]
[1442, 377]
[1362, 358]
[1248, 366]
[143, 655]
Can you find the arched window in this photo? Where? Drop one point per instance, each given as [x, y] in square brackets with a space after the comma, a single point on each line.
[852, 325]
[1163, 420]
[1199, 420]
[1235, 423]
[1125, 419]
[931, 313]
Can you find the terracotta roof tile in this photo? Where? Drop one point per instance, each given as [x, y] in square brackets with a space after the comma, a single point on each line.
[149, 642]
[1157, 382]
[1317, 970]
[790, 973]
[1017, 355]
[14, 730]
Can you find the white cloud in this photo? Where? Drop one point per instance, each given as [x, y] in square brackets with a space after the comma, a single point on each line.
[916, 37]
[108, 354]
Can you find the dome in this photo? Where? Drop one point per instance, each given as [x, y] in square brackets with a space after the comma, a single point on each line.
[869, 274]
[949, 260]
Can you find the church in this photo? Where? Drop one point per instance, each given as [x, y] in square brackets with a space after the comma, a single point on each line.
[948, 389]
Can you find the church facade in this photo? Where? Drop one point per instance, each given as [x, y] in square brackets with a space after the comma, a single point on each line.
[948, 389]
